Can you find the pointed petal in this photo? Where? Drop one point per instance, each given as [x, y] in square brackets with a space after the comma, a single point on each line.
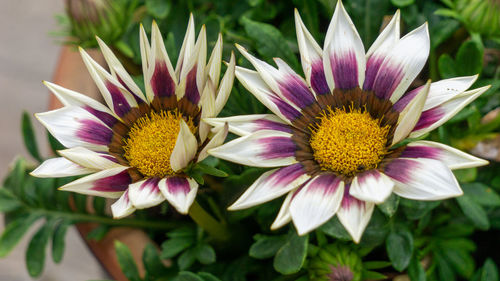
[187, 46]
[398, 70]
[207, 109]
[59, 167]
[371, 186]
[344, 58]
[90, 159]
[116, 96]
[355, 216]
[316, 202]
[270, 185]
[435, 117]
[185, 148]
[179, 191]
[214, 63]
[381, 49]
[453, 158]
[145, 59]
[422, 179]
[253, 82]
[284, 215]
[109, 183]
[73, 126]
[243, 125]
[444, 90]
[261, 149]
[145, 193]
[311, 57]
[122, 207]
[226, 86]
[410, 114]
[119, 72]
[215, 141]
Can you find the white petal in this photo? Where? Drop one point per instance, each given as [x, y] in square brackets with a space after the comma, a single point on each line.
[72, 98]
[371, 186]
[145, 193]
[185, 148]
[59, 167]
[284, 215]
[261, 149]
[355, 216]
[453, 158]
[187, 46]
[243, 125]
[207, 109]
[387, 38]
[180, 192]
[109, 183]
[214, 63]
[410, 115]
[215, 141]
[316, 202]
[145, 58]
[90, 159]
[444, 90]
[422, 179]
[226, 86]
[122, 207]
[270, 185]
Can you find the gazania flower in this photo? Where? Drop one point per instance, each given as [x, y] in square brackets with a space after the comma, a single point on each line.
[138, 146]
[337, 135]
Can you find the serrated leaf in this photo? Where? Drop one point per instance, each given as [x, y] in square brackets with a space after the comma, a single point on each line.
[210, 170]
[126, 261]
[98, 233]
[14, 232]
[174, 246]
[266, 246]
[399, 246]
[187, 259]
[205, 254]
[58, 241]
[152, 262]
[29, 137]
[291, 256]
[35, 254]
[187, 276]
[8, 201]
[99, 204]
[474, 212]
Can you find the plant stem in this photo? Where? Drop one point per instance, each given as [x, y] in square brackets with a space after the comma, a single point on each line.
[216, 229]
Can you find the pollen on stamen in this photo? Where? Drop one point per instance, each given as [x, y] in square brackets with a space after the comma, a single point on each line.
[151, 140]
[348, 142]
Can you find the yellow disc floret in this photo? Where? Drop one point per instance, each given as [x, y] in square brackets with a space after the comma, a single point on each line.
[151, 140]
[348, 142]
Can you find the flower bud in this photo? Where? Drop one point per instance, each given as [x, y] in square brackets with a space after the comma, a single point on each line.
[335, 262]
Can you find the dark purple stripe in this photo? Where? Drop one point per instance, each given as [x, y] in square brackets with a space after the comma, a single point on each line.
[401, 169]
[345, 70]
[286, 175]
[287, 110]
[401, 104]
[137, 99]
[264, 124]
[277, 147]
[429, 117]
[192, 92]
[318, 79]
[116, 183]
[387, 80]
[105, 117]
[94, 132]
[110, 158]
[151, 184]
[349, 201]
[178, 184]
[372, 66]
[120, 104]
[421, 152]
[296, 91]
[326, 183]
[162, 83]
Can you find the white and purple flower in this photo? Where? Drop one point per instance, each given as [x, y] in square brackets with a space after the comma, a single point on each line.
[137, 147]
[332, 137]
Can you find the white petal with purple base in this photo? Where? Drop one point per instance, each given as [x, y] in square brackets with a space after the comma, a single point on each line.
[355, 216]
[90, 159]
[270, 185]
[59, 167]
[371, 186]
[444, 90]
[422, 179]
[145, 193]
[185, 148]
[179, 191]
[243, 125]
[216, 140]
[122, 207]
[284, 215]
[316, 202]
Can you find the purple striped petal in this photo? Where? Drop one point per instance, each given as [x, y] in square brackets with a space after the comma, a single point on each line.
[429, 117]
[120, 104]
[123, 206]
[355, 215]
[277, 147]
[115, 183]
[105, 117]
[344, 70]
[162, 83]
[296, 91]
[316, 202]
[192, 91]
[179, 191]
[110, 183]
[318, 80]
[401, 104]
[387, 80]
[371, 186]
[94, 132]
[146, 193]
[285, 109]
[270, 185]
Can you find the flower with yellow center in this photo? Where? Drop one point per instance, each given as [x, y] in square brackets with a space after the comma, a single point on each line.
[138, 147]
[333, 139]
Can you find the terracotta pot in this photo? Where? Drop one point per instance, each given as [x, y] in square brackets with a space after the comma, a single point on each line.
[71, 73]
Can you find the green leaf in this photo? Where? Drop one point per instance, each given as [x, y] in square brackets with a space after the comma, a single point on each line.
[205, 254]
[187, 258]
[373, 275]
[291, 256]
[158, 8]
[8, 201]
[55, 145]
[470, 58]
[461, 261]
[266, 246]
[126, 261]
[415, 270]
[29, 137]
[447, 67]
[402, 3]
[208, 277]
[174, 246]
[474, 212]
[269, 41]
[58, 243]
[98, 233]
[211, 170]
[481, 194]
[14, 232]
[399, 245]
[390, 205]
[415, 210]
[376, 264]
[152, 262]
[35, 254]
[187, 276]
[99, 204]
[490, 271]
[335, 229]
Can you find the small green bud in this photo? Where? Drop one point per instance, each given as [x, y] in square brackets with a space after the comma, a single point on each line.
[335, 262]
[480, 16]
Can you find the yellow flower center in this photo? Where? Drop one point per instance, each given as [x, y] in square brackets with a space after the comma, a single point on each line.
[348, 142]
[151, 140]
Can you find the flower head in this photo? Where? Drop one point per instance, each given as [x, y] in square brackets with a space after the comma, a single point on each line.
[333, 135]
[138, 146]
